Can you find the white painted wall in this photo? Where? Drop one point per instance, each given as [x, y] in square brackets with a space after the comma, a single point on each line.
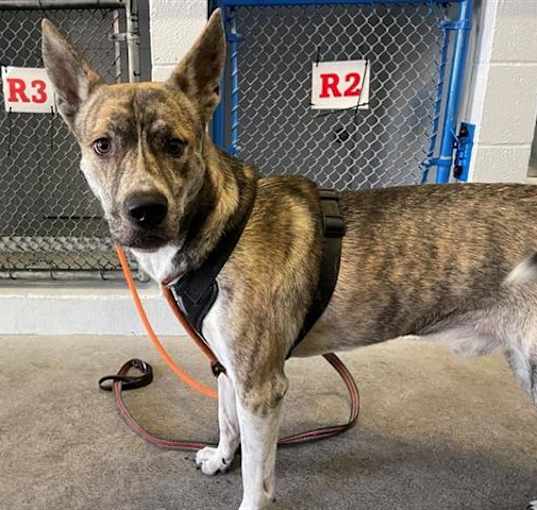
[502, 95]
[175, 25]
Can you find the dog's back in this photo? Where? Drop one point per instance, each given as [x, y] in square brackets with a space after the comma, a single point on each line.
[427, 251]
[451, 263]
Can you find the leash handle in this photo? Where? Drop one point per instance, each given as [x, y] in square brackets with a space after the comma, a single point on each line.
[129, 382]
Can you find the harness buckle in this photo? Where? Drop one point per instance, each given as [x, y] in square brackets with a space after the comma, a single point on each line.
[333, 223]
[328, 194]
[334, 226]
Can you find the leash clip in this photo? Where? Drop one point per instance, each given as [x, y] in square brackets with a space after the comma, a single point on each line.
[217, 368]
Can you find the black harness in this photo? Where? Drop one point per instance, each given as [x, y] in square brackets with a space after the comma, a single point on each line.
[197, 290]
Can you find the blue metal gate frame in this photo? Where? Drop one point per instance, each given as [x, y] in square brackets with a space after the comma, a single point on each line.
[460, 27]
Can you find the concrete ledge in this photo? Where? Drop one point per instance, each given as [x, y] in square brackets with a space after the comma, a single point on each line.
[96, 310]
[162, 72]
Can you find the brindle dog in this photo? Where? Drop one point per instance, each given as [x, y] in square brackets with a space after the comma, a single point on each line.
[446, 263]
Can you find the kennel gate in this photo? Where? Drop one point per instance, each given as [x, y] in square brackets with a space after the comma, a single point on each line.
[416, 52]
[51, 225]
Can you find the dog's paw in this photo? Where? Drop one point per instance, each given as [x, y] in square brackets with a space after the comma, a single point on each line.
[262, 505]
[532, 505]
[211, 461]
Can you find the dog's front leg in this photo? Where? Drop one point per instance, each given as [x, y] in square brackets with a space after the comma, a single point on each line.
[214, 460]
[259, 411]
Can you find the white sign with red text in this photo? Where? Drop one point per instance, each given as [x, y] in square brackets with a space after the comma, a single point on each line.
[27, 89]
[339, 85]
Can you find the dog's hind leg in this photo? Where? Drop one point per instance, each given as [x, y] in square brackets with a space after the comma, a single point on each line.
[521, 325]
[508, 321]
[524, 368]
[510, 326]
[213, 460]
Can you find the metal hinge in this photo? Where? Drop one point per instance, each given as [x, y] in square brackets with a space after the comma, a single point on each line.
[463, 151]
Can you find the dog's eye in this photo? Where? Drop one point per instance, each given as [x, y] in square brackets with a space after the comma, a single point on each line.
[102, 146]
[175, 147]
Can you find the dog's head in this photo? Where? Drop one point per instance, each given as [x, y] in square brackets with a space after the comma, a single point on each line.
[142, 144]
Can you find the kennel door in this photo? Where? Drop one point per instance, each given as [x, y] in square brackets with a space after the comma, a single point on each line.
[52, 226]
[408, 49]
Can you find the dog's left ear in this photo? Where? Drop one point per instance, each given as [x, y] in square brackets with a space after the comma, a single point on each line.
[198, 74]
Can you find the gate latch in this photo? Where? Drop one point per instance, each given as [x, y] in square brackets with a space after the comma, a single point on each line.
[463, 151]
[123, 36]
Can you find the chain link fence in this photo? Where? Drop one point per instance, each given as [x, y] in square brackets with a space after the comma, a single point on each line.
[51, 223]
[384, 145]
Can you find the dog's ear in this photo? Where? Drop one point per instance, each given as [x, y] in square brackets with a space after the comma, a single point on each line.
[198, 74]
[73, 78]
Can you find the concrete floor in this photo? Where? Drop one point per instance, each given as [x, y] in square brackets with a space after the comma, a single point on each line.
[435, 432]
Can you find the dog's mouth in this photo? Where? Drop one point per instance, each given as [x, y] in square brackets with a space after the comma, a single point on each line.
[131, 236]
[146, 241]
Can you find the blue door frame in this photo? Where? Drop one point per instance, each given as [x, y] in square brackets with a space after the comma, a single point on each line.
[460, 26]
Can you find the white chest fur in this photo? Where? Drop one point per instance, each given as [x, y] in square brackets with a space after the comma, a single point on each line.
[159, 263]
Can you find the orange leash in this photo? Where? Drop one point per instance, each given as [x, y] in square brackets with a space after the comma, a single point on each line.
[182, 374]
[123, 379]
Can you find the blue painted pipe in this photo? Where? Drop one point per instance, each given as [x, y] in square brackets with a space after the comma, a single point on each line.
[219, 117]
[233, 40]
[462, 26]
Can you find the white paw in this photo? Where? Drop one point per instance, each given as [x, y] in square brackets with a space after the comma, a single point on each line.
[211, 461]
[532, 505]
[260, 506]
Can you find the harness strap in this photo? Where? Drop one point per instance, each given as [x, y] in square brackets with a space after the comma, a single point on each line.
[125, 381]
[216, 367]
[197, 290]
[333, 227]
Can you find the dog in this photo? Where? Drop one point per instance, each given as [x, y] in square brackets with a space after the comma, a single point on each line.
[455, 264]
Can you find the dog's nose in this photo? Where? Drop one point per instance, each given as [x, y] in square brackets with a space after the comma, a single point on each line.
[146, 209]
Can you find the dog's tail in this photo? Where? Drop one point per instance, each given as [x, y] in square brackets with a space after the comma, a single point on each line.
[521, 347]
[525, 272]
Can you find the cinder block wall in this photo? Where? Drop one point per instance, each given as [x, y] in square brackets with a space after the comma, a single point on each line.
[501, 94]
[175, 25]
